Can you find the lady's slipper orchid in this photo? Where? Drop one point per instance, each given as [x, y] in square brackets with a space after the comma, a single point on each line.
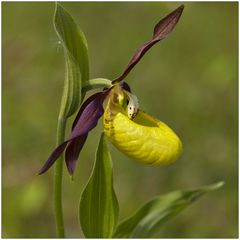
[132, 131]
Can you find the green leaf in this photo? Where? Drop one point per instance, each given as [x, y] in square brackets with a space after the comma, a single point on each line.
[76, 57]
[151, 216]
[98, 204]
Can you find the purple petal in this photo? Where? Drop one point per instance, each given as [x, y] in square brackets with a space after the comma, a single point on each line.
[84, 105]
[86, 120]
[89, 115]
[161, 31]
[53, 157]
[73, 151]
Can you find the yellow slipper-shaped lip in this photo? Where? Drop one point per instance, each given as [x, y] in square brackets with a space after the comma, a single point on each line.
[143, 138]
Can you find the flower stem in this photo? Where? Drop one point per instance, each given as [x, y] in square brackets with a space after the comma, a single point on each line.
[96, 83]
[58, 181]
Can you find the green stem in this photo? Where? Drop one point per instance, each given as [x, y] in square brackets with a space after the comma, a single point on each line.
[58, 181]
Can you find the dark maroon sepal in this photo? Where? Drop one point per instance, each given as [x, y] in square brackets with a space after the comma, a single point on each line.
[72, 152]
[162, 29]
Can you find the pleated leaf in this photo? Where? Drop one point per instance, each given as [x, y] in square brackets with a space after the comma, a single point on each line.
[76, 57]
[147, 221]
[98, 204]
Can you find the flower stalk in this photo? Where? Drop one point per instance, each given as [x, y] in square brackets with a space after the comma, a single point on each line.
[61, 127]
[96, 83]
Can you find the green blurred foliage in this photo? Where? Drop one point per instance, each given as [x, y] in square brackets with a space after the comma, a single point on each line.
[189, 81]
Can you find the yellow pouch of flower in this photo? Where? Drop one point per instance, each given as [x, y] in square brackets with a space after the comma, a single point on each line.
[142, 138]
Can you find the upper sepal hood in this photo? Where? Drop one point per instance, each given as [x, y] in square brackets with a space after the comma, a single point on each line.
[161, 30]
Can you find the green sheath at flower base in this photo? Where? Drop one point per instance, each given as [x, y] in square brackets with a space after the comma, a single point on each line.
[142, 138]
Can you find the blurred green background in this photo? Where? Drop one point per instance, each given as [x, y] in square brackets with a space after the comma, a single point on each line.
[189, 80]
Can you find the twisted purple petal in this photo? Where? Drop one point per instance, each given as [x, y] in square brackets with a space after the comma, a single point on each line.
[89, 115]
[85, 121]
[84, 105]
[53, 157]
